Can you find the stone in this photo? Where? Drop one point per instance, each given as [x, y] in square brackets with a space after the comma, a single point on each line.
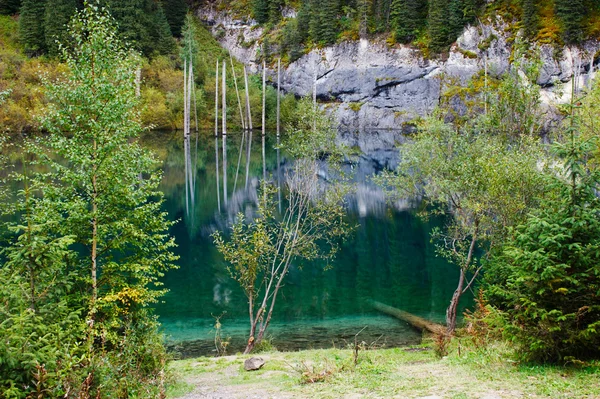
[254, 363]
[366, 84]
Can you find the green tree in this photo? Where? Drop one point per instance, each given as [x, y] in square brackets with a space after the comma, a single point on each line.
[175, 11]
[10, 7]
[105, 184]
[56, 17]
[483, 177]
[142, 23]
[547, 276]
[260, 10]
[438, 24]
[530, 18]
[571, 14]
[31, 26]
[408, 16]
[329, 28]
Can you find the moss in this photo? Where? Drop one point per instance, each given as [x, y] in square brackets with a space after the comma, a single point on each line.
[487, 42]
[355, 106]
[466, 53]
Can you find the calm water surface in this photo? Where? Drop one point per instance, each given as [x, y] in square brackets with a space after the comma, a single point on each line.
[388, 258]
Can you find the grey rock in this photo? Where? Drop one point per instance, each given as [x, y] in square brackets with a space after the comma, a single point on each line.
[368, 84]
[254, 363]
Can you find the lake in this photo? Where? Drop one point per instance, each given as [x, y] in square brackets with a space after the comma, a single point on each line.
[388, 258]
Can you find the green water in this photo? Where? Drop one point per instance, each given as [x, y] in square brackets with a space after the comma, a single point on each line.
[389, 258]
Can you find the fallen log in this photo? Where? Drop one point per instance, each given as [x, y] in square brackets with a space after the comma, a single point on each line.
[415, 321]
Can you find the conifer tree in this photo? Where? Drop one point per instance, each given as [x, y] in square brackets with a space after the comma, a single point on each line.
[303, 18]
[530, 18]
[57, 16]
[329, 28]
[438, 24]
[31, 26]
[175, 11]
[9, 7]
[456, 19]
[161, 32]
[407, 17]
[260, 9]
[275, 11]
[570, 14]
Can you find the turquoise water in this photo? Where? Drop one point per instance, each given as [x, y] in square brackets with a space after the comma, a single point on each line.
[388, 258]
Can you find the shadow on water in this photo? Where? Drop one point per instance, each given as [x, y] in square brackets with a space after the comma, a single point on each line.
[389, 257]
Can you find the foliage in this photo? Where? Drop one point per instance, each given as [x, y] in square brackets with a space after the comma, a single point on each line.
[32, 27]
[547, 274]
[175, 11]
[91, 242]
[9, 7]
[56, 17]
[261, 252]
[479, 174]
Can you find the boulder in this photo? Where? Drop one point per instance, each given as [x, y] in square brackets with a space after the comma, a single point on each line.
[254, 363]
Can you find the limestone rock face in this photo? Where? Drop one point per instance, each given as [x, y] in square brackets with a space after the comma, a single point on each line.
[367, 84]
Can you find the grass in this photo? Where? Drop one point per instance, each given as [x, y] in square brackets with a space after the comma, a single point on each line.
[467, 372]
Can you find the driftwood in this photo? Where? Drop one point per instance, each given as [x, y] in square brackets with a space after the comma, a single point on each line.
[415, 321]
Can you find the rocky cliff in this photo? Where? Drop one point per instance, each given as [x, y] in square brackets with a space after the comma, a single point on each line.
[368, 84]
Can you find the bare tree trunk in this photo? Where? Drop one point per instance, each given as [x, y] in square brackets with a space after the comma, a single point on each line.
[249, 115]
[237, 93]
[224, 118]
[217, 135]
[264, 104]
[278, 93]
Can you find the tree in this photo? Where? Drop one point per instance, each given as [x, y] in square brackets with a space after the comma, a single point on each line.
[260, 252]
[10, 7]
[175, 11]
[546, 275]
[480, 176]
[571, 14]
[407, 18]
[438, 24]
[105, 185]
[31, 27]
[142, 23]
[56, 17]
[260, 10]
[329, 28]
[530, 18]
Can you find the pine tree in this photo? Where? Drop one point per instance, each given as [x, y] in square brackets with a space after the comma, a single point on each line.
[570, 14]
[455, 19]
[57, 16]
[303, 18]
[329, 28]
[260, 9]
[407, 18]
[9, 7]
[31, 26]
[161, 32]
[530, 18]
[175, 11]
[438, 24]
[275, 11]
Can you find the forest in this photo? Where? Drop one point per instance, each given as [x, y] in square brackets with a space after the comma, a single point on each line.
[88, 240]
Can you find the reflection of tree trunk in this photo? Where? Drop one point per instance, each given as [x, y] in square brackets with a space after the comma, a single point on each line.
[217, 172]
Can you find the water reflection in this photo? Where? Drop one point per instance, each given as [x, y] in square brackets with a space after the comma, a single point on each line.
[389, 258]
